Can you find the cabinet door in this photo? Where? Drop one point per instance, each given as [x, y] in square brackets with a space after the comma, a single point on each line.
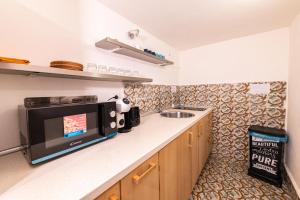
[143, 182]
[168, 170]
[207, 124]
[195, 153]
[112, 193]
[204, 140]
[209, 130]
[184, 165]
[202, 145]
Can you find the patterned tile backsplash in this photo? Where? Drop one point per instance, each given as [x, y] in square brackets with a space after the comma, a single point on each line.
[234, 109]
[151, 97]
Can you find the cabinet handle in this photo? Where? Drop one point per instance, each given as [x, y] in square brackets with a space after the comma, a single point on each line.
[190, 139]
[113, 197]
[136, 178]
[199, 132]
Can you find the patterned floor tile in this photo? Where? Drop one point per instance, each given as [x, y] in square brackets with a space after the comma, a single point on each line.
[225, 178]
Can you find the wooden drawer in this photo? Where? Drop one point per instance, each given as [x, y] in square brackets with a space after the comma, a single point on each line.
[112, 193]
[143, 182]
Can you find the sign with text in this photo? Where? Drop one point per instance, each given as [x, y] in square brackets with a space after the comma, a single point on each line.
[265, 155]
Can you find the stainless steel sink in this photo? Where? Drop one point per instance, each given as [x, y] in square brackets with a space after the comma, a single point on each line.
[177, 114]
[180, 107]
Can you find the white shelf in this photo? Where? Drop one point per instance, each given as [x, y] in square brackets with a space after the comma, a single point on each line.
[28, 70]
[121, 48]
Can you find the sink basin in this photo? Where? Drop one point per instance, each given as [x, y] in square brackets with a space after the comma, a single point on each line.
[176, 114]
[190, 108]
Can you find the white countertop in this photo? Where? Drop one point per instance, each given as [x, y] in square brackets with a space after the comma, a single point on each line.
[87, 173]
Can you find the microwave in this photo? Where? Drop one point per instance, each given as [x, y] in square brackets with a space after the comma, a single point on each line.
[53, 131]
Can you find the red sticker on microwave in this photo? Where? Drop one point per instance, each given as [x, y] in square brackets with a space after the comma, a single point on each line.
[74, 125]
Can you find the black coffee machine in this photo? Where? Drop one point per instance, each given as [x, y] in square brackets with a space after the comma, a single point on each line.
[132, 119]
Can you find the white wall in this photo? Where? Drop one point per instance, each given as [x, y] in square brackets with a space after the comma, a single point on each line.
[293, 146]
[47, 30]
[260, 57]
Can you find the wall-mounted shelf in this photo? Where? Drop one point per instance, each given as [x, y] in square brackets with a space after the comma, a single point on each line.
[124, 49]
[27, 70]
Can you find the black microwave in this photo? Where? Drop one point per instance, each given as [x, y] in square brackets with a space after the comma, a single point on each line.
[53, 131]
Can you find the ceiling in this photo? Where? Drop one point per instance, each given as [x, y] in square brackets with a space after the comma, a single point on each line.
[186, 24]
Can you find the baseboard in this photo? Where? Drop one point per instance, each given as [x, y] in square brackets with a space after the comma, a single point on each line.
[296, 187]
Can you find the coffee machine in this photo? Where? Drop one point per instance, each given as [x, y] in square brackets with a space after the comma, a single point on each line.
[132, 119]
[123, 106]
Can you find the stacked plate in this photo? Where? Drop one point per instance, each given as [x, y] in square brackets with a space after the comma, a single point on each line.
[67, 65]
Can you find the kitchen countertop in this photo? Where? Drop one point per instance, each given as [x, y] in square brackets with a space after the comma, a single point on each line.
[87, 173]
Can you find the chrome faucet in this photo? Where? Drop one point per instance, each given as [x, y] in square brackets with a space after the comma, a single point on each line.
[172, 103]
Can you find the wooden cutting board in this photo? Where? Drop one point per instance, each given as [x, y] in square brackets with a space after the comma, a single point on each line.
[67, 65]
[14, 60]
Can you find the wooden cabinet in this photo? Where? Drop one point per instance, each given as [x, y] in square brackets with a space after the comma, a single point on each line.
[112, 193]
[182, 161]
[143, 182]
[179, 166]
[168, 172]
[204, 140]
[207, 129]
[172, 172]
[202, 145]
[185, 165]
[195, 153]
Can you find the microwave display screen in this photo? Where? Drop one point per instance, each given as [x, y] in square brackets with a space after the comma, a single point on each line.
[74, 125]
[55, 128]
[55, 131]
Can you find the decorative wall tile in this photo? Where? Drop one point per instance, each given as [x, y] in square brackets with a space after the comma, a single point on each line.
[278, 87]
[151, 97]
[141, 103]
[139, 90]
[257, 110]
[240, 110]
[240, 98]
[276, 100]
[212, 99]
[257, 99]
[241, 88]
